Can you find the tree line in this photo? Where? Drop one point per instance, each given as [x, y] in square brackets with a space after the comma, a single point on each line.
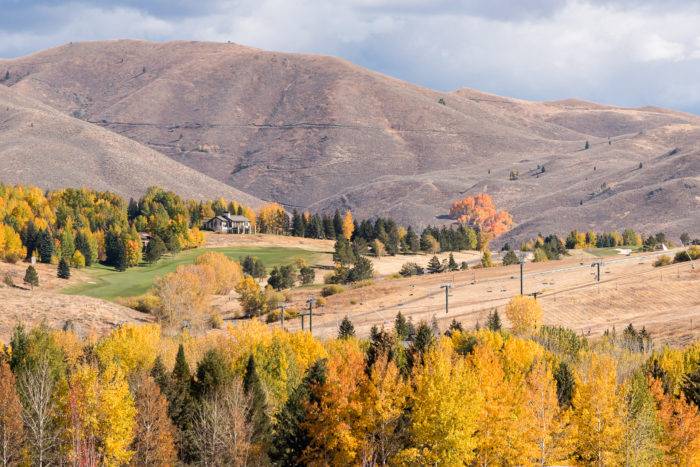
[406, 395]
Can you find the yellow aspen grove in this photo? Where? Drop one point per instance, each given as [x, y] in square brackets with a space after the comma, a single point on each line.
[445, 408]
[549, 424]
[598, 412]
[383, 395]
[504, 432]
[348, 225]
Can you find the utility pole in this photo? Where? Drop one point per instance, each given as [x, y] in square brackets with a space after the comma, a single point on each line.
[282, 308]
[447, 288]
[597, 265]
[311, 302]
[522, 275]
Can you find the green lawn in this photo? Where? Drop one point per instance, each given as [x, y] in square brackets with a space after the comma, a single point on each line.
[611, 251]
[109, 284]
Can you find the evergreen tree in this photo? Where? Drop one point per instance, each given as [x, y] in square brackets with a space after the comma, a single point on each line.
[362, 270]
[455, 326]
[155, 249]
[452, 264]
[338, 224]
[30, 239]
[45, 246]
[67, 243]
[63, 269]
[291, 433]
[82, 244]
[564, 377]
[691, 386]
[19, 343]
[297, 224]
[133, 210]
[181, 407]
[493, 322]
[343, 252]
[393, 240]
[257, 414]
[380, 343]
[422, 342]
[434, 265]
[31, 277]
[212, 374]
[401, 327]
[510, 258]
[346, 330]
[328, 228]
[160, 375]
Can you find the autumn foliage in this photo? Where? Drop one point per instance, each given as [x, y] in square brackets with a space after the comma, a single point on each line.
[254, 394]
[480, 211]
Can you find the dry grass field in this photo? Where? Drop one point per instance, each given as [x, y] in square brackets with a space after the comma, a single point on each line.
[45, 304]
[665, 300]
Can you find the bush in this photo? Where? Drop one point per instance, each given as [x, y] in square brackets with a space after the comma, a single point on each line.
[7, 280]
[307, 275]
[410, 269]
[320, 301]
[691, 253]
[77, 260]
[663, 260]
[332, 289]
[216, 321]
[362, 283]
[147, 303]
[540, 256]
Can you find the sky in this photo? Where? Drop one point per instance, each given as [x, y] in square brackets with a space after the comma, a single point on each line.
[622, 52]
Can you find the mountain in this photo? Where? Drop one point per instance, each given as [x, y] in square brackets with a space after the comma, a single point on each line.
[321, 133]
[41, 146]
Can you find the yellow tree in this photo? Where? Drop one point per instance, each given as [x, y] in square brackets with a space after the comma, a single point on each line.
[132, 347]
[332, 421]
[549, 424]
[272, 219]
[251, 297]
[117, 417]
[348, 225]
[598, 412]
[524, 314]
[383, 396]
[680, 421]
[504, 430]
[184, 295]
[227, 273]
[445, 408]
[11, 428]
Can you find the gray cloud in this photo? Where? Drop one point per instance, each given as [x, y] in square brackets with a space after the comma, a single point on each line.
[626, 52]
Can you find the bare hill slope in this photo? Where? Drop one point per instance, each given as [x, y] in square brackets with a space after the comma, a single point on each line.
[318, 132]
[41, 146]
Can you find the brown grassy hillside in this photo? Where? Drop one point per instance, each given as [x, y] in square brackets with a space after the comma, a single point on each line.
[318, 132]
[41, 146]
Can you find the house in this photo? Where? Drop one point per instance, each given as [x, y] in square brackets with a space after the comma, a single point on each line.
[227, 223]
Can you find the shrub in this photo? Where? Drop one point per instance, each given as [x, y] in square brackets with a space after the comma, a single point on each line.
[216, 321]
[540, 256]
[362, 283]
[307, 275]
[320, 301]
[147, 303]
[510, 258]
[332, 289]
[77, 260]
[691, 253]
[410, 269]
[663, 260]
[7, 280]
[63, 269]
[31, 277]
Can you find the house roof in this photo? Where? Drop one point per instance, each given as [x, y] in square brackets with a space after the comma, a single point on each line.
[228, 217]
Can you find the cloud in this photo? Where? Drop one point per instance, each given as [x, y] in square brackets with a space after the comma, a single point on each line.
[626, 52]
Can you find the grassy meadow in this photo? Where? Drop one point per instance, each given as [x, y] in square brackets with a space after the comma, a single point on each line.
[105, 282]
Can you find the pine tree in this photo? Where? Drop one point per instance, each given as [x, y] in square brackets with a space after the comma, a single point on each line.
[564, 377]
[422, 342]
[401, 327]
[160, 375]
[181, 407]
[452, 264]
[30, 239]
[412, 241]
[291, 434]
[434, 265]
[31, 277]
[297, 224]
[63, 269]
[212, 374]
[346, 330]
[510, 258]
[258, 415]
[154, 250]
[45, 246]
[493, 322]
[337, 224]
[691, 386]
